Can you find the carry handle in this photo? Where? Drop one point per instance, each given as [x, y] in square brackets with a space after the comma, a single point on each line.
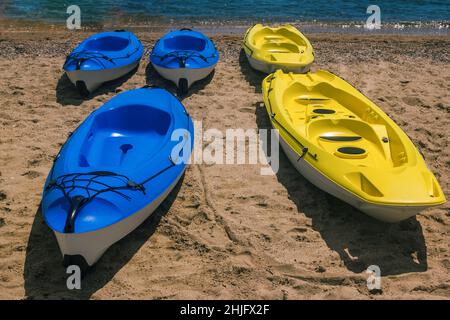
[75, 204]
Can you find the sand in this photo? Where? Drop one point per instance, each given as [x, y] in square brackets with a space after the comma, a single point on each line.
[226, 231]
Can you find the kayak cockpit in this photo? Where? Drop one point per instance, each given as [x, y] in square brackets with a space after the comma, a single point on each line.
[346, 128]
[185, 43]
[351, 140]
[280, 36]
[128, 135]
[107, 43]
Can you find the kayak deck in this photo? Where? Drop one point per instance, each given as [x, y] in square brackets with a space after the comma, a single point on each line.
[284, 45]
[339, 131]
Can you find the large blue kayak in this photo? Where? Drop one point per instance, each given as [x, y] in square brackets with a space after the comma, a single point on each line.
[103, 57]
[115, 169]
[184, 56]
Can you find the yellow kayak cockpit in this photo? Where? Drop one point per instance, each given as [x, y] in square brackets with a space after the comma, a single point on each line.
[339, 131]
[284, 47]
[349, 141]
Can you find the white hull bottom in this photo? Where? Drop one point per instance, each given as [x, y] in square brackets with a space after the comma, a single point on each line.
[378, 211]
[92, 245]
[270, 68]
[95, 78]
[191, 75]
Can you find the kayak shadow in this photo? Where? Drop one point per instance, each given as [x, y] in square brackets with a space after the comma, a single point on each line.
[252, 76]
[44, 275]
[67, 93]
[153, 78]
[359, 240]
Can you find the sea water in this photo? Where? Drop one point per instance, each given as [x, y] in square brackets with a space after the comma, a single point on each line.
[396, 14]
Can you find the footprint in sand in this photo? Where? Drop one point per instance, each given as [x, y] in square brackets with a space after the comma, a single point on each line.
[32, 174]
[246, 110]
[412, 101]
[299, 234]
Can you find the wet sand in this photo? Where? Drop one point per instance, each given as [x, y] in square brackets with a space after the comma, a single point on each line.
[226, 231]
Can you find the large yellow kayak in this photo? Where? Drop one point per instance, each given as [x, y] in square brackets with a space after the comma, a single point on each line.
[344, 144]
[284, 47]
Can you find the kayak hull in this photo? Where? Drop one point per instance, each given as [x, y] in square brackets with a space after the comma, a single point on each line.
[265, 67]
[92, 245]
[381, 212]
[93, 79]
[191, 75]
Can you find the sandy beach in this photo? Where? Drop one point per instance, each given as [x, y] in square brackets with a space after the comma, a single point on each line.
[227, 232]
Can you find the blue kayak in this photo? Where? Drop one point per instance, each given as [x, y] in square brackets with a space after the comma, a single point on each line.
[184, 57]
[115, 170]
[103, 57]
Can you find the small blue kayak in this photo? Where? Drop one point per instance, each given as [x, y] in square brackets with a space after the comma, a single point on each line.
[103, 57]
[184, 57]
[115, 170]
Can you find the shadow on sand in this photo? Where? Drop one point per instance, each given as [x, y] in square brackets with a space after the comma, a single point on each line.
[45, 277]
[359, 240]
[67, 93]
[153, 78]
[252, 76]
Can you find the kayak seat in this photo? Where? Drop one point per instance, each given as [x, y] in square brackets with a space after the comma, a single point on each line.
[350, 139]
[127, 134]
[185, 43]
[108, 43]
[274, 37]
[280, 47]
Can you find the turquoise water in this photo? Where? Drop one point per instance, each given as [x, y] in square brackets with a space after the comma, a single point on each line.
[99, 11]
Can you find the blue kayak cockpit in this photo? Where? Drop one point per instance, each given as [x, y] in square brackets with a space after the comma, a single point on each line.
[185, 43]
[107, 43]
[119, 161]
[128, 135]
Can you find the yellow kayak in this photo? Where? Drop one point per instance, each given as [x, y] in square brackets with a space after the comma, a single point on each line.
[284, 47]
[347, 146]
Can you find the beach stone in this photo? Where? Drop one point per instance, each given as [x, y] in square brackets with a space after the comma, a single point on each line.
[376, 291]
[441, 106]
[2, 195]
[31, 174]
[320, 269]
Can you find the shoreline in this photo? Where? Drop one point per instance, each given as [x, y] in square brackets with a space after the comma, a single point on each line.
[161, 24]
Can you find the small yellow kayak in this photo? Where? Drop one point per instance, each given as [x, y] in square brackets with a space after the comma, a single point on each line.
[284, 47]
[347, 146]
